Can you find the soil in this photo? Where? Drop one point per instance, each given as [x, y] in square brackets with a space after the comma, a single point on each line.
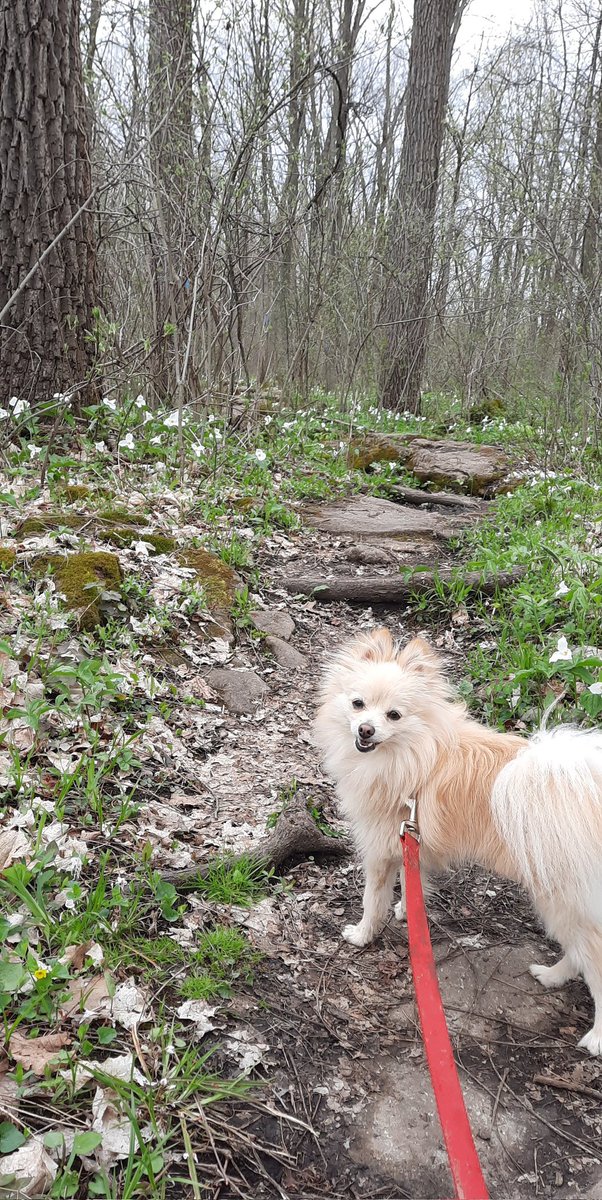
[345, 1108]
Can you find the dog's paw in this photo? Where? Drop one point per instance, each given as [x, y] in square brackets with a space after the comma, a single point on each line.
[592, 1041]
[356, 935]
[549, 977]
[400, 910]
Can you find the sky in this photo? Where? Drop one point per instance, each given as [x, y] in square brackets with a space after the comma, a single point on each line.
[492, 22]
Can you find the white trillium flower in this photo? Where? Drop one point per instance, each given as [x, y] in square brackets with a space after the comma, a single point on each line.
[171, 420]
[562, 653]
[156, 441]
[148, 416]
[198, 450]
[34, 451]
[562, 590]
[112, 404]
[260, 455]
[140, 402]
[3, 414]
[595, 688]
[18, 406]
[101, 447]
[127, 442]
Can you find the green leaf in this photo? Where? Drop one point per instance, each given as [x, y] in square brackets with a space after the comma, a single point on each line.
[10, 1138]
[53, 1140]
[106, 1035]
[86, 1143]
[12, 976]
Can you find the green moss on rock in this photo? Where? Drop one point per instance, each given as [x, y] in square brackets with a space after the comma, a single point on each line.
[7, 558]
[121, 516]
[218, 580]
[32, 526]
[75, 491]
[82, 578]
[161, 543]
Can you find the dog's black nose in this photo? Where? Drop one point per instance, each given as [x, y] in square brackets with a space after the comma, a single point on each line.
[366, 731]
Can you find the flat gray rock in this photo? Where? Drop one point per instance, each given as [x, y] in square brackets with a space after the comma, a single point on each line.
[240, 691]
[371, 517]
[460, 466]
[286, 655]
[275, 622]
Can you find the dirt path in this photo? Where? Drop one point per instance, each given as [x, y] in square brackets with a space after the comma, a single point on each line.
[343, 1061]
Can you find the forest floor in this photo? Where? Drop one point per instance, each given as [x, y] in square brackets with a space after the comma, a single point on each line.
[220, 1039]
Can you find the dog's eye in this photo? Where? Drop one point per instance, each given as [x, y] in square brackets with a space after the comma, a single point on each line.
[358, 703]
[394, 715]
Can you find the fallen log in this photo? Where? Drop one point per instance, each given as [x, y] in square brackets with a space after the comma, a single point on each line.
[295, 833]
[446, 499]
[382, 589]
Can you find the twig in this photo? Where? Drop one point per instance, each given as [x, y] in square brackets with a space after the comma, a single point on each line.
[565, 1085]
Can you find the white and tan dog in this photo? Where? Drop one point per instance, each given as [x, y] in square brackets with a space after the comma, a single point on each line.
[531, 810]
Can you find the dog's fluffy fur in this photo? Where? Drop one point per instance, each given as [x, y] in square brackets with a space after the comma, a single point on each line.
[531, 810]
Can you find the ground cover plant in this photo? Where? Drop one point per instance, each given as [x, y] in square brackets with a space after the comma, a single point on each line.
[125, 998]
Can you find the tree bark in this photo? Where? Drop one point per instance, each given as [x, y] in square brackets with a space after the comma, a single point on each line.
[411, 236]
[46, 341]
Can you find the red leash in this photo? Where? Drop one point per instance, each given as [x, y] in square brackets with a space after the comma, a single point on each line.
[461, 1150]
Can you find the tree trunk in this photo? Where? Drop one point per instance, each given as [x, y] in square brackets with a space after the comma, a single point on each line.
[411, 238]
[171, 145]
[46, 342]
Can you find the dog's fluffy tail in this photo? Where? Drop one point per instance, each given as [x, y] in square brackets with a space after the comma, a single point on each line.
[547, 806]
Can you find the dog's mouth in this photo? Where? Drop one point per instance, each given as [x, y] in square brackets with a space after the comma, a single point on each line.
[365, 745]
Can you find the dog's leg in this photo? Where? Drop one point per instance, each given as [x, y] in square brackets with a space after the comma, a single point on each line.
[553, 977]
[380, 877]
[425, 878]
[591, 969]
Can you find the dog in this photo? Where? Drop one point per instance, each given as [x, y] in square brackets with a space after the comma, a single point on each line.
[391, 729]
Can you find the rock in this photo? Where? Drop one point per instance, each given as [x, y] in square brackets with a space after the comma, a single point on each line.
[286, 655]
[84, 579]
[240, 691]
[274, 622]
[220, 585]
[371, 517]
[461, 466]
[370, 556]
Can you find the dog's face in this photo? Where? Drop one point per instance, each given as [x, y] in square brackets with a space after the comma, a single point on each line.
[378, 694]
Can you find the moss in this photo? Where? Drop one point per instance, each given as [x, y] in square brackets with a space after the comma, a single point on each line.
[219, 581]
[49, 521]
[74, 492]
[82, 578]
[121, 516]
[374, 448]
[7, 558]
[161, 543]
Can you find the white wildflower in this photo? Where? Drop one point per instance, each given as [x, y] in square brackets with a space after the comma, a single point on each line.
[156, 441]
[562, 653]
[127, 442]
[562, 590]
[198, 450]
[172, 420]
[34, 451]
[3, 414]
[595, 688]
[140, 402]
[18, 406]
[112, 404]
[260, 455]
[101, 447]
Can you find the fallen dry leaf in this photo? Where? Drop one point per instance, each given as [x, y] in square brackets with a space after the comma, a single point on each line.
[89, 997]
[33, 1165]
[9, 1097]
[200, 1013]
[116, 1130]
[13, 844]
[128, 1004]
[35, 1054]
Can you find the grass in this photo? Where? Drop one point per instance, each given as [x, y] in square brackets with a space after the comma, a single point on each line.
[82, 711]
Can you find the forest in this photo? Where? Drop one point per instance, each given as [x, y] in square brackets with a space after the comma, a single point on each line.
[300, 336]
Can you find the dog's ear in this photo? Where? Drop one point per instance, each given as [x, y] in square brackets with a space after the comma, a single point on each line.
[418, 656]
[376, 646]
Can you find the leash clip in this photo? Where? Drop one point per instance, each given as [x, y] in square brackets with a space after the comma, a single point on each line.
[411, 824]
